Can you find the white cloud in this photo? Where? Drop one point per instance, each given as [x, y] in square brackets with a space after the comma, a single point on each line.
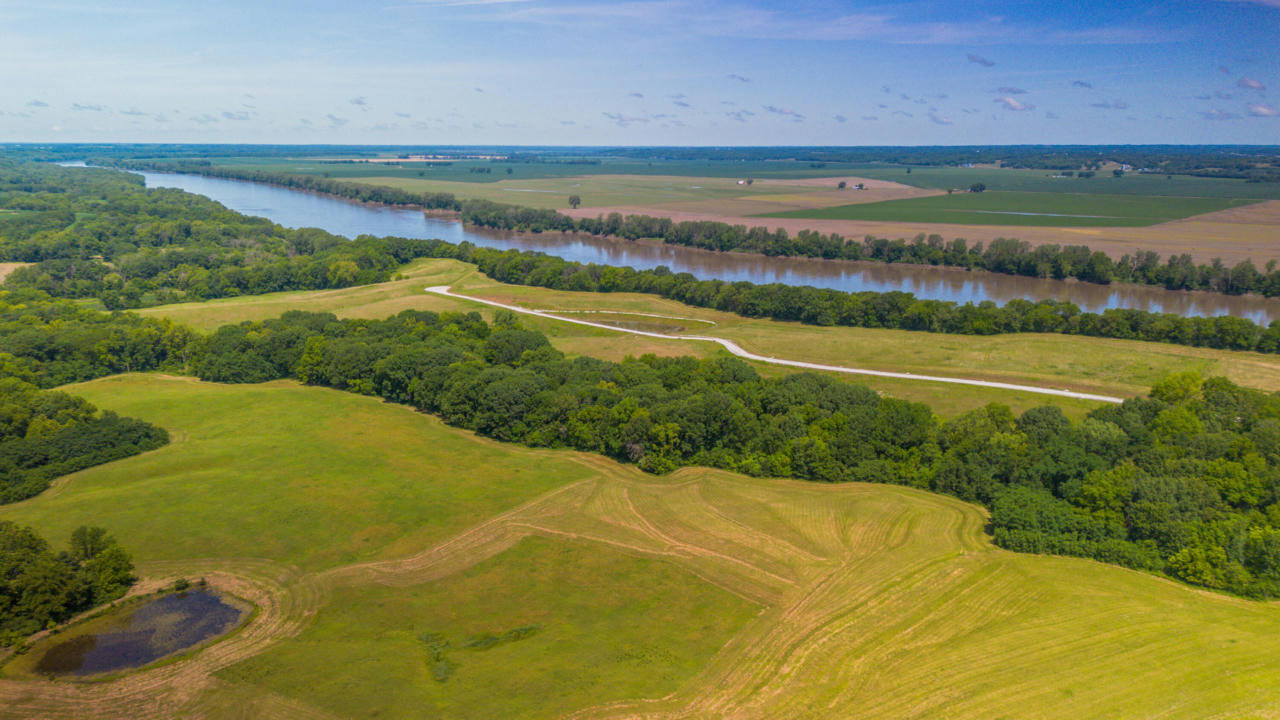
[1011, 103]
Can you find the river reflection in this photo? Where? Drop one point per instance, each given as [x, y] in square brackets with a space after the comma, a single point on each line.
[294, 208]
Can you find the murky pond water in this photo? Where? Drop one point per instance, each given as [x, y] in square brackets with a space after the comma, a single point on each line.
[140, 635]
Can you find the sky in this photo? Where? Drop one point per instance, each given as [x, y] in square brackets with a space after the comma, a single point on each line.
[641, 72]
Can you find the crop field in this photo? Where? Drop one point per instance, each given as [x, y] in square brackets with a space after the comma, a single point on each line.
[607, 190]
[934, 178]
[587, 589]
[1097, 365]
[1026, 208]
[1103, 183]
[466, 170]
[1168, 215]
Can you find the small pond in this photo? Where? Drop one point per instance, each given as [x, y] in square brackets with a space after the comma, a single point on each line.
[138, 635]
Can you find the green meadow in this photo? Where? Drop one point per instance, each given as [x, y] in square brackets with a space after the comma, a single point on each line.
[447, 576]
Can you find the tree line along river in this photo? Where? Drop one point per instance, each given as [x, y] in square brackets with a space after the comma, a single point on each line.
[294, 208]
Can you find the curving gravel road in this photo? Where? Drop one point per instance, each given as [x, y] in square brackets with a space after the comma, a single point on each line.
[737, 350]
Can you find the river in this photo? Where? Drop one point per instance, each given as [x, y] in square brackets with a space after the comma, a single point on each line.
[295, 208]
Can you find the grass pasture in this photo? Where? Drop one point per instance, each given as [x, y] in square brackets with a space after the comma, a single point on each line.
[603, 624]
[301, 476]
[701, 594]
[1025, 208]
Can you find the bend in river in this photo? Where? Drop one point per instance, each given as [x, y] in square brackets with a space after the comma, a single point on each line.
[295, 208]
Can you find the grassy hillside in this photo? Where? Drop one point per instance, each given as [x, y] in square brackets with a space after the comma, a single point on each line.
[701, 594]
[302, 476]
[1041, 209]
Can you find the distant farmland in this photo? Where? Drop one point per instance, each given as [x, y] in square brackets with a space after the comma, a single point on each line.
[1026, 209]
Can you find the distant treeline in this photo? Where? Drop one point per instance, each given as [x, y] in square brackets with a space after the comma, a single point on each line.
[1250, 162]
[1005, 255]
[45, 434]
[39, 587]
[97, 233]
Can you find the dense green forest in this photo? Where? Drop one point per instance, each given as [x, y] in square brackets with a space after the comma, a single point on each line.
[39, 587]
[98, 233]
[45, 434]
[1185, 481]
[1006, 255]
[898, 310]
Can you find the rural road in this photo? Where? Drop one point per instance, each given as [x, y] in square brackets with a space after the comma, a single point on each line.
[737, 350]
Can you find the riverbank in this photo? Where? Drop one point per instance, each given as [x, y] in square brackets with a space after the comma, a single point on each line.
[298, 208]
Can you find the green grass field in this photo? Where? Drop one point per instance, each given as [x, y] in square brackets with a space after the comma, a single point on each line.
[1040, 209]
[700, 594]
[302, 476]
[607, 625]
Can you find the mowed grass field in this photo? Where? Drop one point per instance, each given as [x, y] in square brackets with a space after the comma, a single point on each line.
[702, 594]
[1097, 365]
[1026, 208]
[303, 476]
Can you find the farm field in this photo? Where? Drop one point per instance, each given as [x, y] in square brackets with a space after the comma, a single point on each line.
[634, 595]
[926, 177]
[1242, 231]
[671, 192]
[1026, 208]
[1097, 365]
[1103, 183]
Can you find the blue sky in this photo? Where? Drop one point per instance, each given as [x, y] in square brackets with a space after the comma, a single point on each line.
[641, 72]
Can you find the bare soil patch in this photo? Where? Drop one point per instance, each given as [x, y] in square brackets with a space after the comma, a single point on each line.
[8, 267]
